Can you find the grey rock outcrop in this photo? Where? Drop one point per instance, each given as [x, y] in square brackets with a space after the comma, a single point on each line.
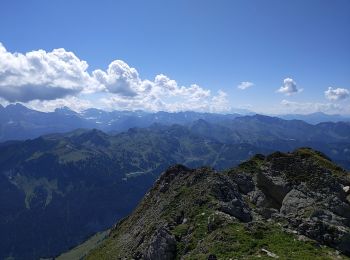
[296, 202]
[311, 197]
[162, 246]
[190, 210]
[245, 182]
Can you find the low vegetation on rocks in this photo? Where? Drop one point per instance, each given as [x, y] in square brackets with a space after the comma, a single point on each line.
[286, 205]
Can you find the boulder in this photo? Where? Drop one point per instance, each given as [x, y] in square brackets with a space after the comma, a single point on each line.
[275, 187]
[295, 202]
[258, 198]
[162, 246]
[244, 181]
[236, 208]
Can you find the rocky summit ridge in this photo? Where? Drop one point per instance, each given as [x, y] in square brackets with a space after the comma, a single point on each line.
[286, 205]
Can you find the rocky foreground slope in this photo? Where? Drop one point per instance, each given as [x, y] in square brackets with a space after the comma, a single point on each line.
[286, 205]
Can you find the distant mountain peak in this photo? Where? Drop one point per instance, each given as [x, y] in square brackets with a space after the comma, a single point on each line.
[17, 107]
[65, 109]
[260, 117]
[317, 117]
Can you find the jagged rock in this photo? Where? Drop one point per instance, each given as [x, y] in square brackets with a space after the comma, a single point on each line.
[236, 208]
[230, 201]
[296, 202]
[327, 216]
[258, 198]
[267, 213]
[162, 246]
[244, 181]
[336, 236]
[276, 187]
[299, 193]
[308, 196]
[339, 207]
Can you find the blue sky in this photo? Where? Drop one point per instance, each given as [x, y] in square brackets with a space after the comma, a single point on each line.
[301, 48]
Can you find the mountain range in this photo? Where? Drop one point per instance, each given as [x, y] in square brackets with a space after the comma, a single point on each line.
[58, 189]
[315, 118]
[18, 122]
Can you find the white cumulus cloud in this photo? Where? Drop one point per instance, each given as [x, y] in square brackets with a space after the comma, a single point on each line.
[74, 103]
[312, 107]
[46, 80]
[245, 84]
[335, 94]
[119, 78]
[289, 87]
[217, 103]
[41, 75]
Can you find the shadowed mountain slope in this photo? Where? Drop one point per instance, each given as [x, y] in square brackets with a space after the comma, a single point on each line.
[58, 189]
